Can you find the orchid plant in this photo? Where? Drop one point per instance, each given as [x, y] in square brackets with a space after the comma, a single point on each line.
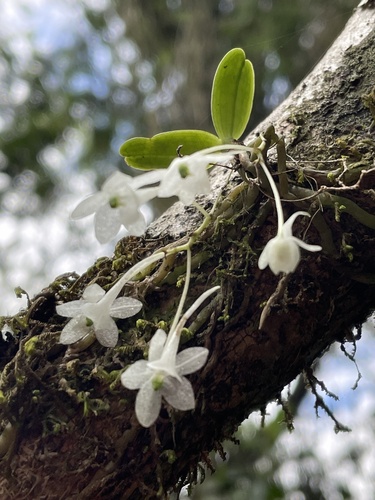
[186, 176]
[119, 202]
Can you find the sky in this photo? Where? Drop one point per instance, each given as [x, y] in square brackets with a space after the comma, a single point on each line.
[34, 250]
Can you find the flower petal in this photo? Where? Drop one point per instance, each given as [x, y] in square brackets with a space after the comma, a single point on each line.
[107, 338]
[106, 331]
[116, 182]
[125, 307]
[93, 293]
[264, 256]
[89, 205]
[179, 394]
[214, 158]
[133, 220]
[306, 246]
[281, 254]
[191, 187]
[195, 182]
[147, 404]
[146, 194]
[98, 313]
[156, 345]
[107, 223]
[170, 182]
[136, 375]
[190, 360]
[74, 330]
[285, 256]
[70, 309]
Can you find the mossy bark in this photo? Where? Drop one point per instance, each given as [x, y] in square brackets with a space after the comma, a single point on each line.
[69, 426]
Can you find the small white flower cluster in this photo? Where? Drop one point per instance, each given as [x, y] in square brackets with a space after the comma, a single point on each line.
[282, 252]
[118, 203]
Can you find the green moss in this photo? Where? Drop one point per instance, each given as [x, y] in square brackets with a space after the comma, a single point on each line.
[186, 335]
[101, 266]
[2, 398]
[163, 325]
[170, 455]
[35, 398]
[141, 324]
[224, 318]
[53, 426]
[92, 405]
[338, 210]
[347, 249]
[30, 346]
[109, 378]
[144, 330]
[122, 262]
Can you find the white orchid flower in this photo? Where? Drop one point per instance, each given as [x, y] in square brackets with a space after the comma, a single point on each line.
[187, 176]
[162, 376]
[282, 253]
[93, 313]
[118, 203]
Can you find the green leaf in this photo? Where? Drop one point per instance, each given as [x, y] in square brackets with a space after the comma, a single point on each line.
[232, 95]
[161, 149]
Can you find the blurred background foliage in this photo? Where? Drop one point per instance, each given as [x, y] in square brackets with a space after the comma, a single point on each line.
[83, 77]
[78, 78]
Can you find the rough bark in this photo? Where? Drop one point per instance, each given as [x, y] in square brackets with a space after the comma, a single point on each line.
[69, 425]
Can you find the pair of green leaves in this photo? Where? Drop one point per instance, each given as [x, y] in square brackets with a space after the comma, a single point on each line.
[231, 103]
[232, 95]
